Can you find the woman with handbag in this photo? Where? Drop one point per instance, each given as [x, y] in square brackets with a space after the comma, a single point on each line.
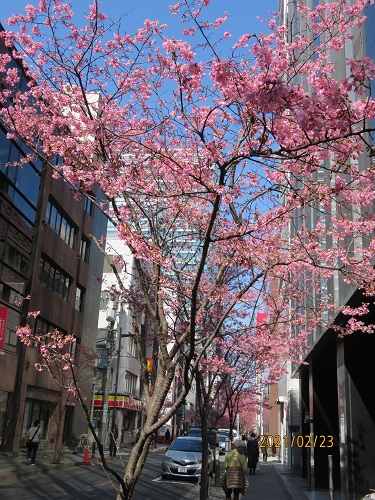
[33, 442]
[235, 480]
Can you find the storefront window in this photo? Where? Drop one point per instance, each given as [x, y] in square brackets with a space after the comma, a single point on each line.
[36, 410]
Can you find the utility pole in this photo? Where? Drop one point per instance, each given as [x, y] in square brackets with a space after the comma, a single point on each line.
[116, 383]
[89, 434]
[107, 380]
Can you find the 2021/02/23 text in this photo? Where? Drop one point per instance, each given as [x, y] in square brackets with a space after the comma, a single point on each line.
[307, 441]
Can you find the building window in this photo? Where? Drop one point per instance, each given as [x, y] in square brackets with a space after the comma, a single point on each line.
[11, 337]
[80, 298]
[132, 348]
[130, 383]
[60, 224]
[13, 257]
[54, 279]
[84, 252]
[42, 327]
[88, 204]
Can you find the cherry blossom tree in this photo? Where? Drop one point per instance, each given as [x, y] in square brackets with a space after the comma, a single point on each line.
[230, 380]
[250, 407]
[218, 381]
[206, 153]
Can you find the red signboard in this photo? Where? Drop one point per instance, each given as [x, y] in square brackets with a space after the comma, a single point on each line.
[262, 318]
[121, 402]
[3, 325]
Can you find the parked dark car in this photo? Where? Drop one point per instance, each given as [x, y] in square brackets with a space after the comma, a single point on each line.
[213, 436]
[183, 459]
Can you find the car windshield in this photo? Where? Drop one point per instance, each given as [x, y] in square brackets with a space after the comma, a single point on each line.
[224, 433]
[187, 445]
[223, 438]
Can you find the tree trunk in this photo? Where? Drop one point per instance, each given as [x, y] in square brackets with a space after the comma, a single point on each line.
[135, 466]
[205, 446]
[139, 452]
[204, 409]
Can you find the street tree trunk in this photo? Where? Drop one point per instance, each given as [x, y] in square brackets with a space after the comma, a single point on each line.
[204, 409]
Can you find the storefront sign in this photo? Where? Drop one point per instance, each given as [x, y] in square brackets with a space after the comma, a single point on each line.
[98, 400]
[3, 325]
[121, 402]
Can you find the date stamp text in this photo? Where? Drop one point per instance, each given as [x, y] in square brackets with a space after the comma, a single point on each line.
[300, 441]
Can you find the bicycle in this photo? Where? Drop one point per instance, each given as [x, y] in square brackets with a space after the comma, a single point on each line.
[78, 444]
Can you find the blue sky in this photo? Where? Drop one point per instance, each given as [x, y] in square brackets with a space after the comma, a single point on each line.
[243, 13]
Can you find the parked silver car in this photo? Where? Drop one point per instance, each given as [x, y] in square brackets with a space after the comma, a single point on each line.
[184, 458]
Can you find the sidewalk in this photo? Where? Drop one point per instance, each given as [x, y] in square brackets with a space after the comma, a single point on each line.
[297, 486]
[14, 468]
[275, 482]
[266, 484]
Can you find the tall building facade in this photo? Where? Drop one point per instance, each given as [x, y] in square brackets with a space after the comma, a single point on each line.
[48, 264]
[329, 400]
[118, 385]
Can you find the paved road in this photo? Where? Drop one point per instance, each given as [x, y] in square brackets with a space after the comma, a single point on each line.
[92, 483]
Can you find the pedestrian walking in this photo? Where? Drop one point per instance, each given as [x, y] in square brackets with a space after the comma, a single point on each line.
[252, 453]
[155, 438]
[234, 480]
[167, 437]
[33, 443]
[265, 449]
[113, 441]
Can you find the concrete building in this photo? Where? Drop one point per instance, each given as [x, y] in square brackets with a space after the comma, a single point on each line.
[119, 377]
[327, 406]
[47, 264]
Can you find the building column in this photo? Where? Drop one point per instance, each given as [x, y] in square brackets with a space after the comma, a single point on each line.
[342, 389]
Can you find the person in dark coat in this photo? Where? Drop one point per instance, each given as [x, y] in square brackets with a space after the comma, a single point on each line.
[112, 441]
[252, 453]
[167, 437]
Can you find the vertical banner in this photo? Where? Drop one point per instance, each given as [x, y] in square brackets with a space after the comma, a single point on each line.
[149, 368]
[3, 325]
[149, 365]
